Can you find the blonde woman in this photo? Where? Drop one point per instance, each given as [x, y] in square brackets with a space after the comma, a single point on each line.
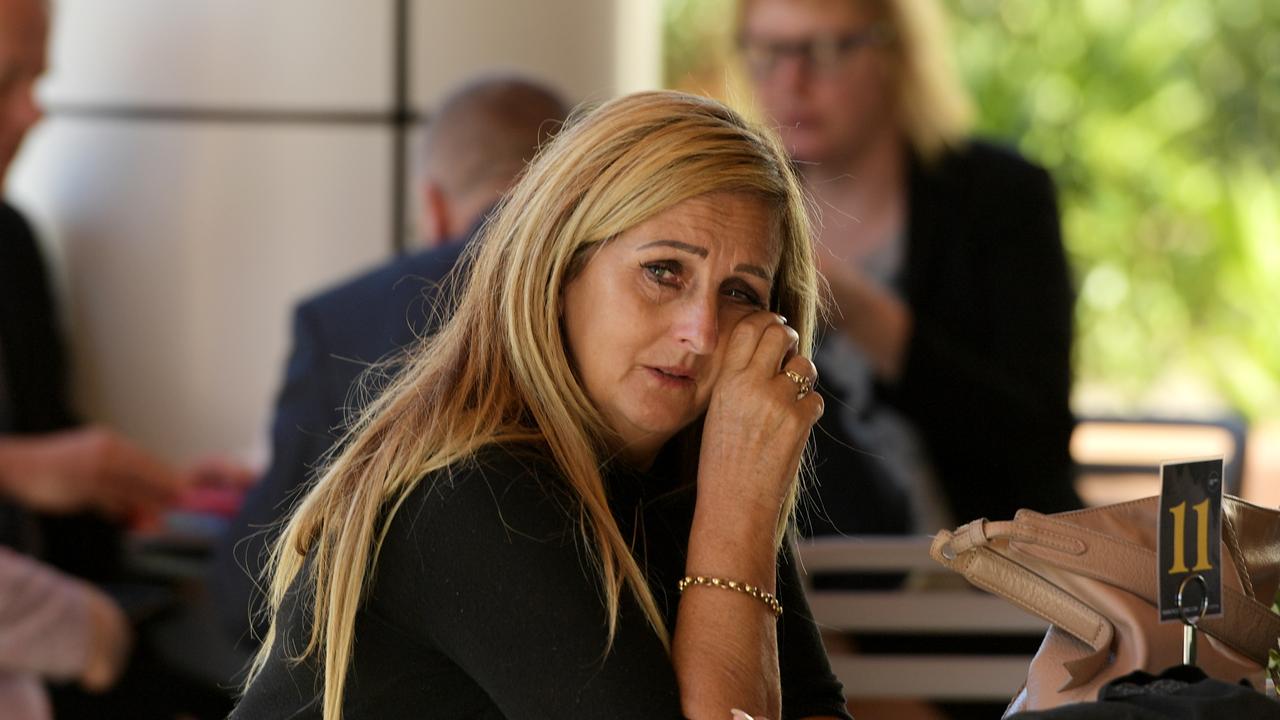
[572, 501]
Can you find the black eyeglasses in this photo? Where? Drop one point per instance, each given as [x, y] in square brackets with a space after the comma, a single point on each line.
[821, 53]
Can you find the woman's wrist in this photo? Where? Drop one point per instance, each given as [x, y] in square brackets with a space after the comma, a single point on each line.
[769, 599]
[732, 545]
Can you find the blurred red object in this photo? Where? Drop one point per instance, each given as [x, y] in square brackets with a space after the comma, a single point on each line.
[223, 501]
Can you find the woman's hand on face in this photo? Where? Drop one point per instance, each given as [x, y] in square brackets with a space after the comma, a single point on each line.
[758, 421]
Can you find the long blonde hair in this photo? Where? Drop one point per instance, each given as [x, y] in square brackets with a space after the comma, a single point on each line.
[932, 102]
[498, 371]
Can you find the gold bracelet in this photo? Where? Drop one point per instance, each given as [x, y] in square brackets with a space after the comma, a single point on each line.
[763, 596]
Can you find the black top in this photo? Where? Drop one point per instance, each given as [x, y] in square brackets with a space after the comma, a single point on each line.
[484, 605]
[986, 377]
[34, 399]
[336, 335]
[1182, 692]
[33, 387]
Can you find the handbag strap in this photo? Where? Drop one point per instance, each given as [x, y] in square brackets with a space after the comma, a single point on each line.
[964, 552]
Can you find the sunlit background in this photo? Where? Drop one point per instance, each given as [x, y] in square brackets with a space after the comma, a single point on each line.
[1159, 121]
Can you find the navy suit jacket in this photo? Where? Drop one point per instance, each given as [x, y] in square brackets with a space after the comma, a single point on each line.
[337, 334]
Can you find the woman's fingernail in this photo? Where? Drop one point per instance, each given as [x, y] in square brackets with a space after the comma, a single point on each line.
[739, 715]
[783, 318]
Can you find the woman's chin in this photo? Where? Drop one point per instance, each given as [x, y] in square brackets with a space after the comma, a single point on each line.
[644, 437]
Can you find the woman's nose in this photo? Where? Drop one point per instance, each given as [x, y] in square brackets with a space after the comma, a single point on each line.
[31, 110]
[22, 109]
[697, 324]
[792, 73]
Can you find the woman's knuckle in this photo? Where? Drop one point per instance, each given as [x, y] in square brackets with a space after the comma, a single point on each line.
[779, 331]
[819, 407]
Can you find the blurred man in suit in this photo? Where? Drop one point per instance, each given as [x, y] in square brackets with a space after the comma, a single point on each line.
[472, 151]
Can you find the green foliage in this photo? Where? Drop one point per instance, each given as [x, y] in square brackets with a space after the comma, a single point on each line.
[698, 45]
[1158, 119]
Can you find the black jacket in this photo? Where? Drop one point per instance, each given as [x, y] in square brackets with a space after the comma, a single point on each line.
[987, 378]
[35, 398]
[987, 374]
[34, 362]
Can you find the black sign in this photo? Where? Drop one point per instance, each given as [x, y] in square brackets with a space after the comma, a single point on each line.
[1190, 549]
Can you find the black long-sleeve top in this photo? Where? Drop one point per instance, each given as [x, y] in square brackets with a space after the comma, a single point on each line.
[34, 399]
[485, 605]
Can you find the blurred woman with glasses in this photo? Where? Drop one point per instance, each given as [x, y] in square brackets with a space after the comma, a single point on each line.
[947, 363]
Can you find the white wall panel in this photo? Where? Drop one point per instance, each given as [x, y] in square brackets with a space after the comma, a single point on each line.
[184, 247]
[278, 54]
[567, 42]
[637, 46]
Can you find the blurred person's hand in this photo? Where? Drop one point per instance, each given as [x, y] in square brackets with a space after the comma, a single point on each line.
[221, 471]
[217, 486]
[871, 315]
[86, 468]
[109, 643]
[58, 626]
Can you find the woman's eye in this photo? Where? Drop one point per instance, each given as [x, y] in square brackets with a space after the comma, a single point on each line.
[745, 296]
[662, 272]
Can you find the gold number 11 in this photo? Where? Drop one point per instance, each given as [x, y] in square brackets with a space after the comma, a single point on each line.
[1179, 537]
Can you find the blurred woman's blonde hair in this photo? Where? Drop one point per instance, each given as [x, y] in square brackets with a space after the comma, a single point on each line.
[498, 371]
[933, 106]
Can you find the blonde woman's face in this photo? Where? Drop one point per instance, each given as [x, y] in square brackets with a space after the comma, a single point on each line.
[647, 318]
[820, 72]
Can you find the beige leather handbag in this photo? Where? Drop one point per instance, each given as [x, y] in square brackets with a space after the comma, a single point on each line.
[1092, 574]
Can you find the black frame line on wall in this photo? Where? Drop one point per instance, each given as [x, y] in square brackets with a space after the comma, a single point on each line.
[226, 115]
[402, 119]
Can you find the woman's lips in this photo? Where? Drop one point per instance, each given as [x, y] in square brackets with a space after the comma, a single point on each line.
[674, 377]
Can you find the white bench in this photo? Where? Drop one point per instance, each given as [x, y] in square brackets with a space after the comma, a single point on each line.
[934, 601]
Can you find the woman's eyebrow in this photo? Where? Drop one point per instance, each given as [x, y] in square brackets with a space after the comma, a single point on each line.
[754, 270]
[686, 247]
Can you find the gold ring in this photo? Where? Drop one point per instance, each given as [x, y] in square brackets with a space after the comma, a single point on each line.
[804, 385]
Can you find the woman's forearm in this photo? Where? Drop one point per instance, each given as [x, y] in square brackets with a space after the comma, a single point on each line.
[725, 647]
